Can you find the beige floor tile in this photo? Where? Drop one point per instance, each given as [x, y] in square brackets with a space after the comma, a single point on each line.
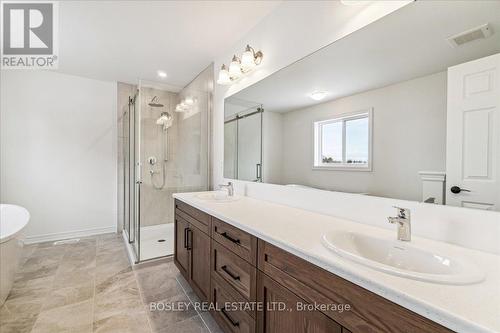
[91, 286]
[33, 289]
[160, 318]
[191, 325]
[158, 283]
[22, 323]
[74, 277]
[71, 318]
[131, 322]
[116, 295]
[69, 295]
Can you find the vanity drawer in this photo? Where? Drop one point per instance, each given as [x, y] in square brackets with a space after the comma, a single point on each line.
[233, 270]
[238, 241]
[230, 319]
[369, 312]
[194, 216]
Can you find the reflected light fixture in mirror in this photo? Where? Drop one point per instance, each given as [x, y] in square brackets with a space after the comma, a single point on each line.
[161, 74]
[318, 95]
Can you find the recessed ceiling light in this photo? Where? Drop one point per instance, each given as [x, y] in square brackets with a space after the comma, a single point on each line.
[162, 74]
[318, 95]
[354, 2]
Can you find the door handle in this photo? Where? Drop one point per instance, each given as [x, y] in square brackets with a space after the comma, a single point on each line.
[457, 189]
[235, 277]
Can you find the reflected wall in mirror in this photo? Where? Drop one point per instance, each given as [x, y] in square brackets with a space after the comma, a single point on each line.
[396, 109]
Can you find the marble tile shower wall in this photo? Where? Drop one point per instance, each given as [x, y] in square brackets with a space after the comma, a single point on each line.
[157, 205]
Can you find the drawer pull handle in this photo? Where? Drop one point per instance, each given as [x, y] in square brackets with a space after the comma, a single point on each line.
[235, 277]
[234, 323]
[226, 236]
[189, 239]
[185, 238]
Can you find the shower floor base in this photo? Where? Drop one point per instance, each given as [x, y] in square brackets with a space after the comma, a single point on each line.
[157, 241]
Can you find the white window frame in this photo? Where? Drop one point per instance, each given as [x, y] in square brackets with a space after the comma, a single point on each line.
[317, 135]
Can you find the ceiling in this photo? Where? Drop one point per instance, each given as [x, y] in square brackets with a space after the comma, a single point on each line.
[406, 44]
[131, 40]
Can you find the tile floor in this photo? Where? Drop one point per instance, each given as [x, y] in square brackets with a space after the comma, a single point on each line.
[90, 286]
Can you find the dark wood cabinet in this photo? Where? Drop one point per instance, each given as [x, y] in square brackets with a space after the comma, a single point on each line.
[282, 312]
[181, 255]
[225, 264]
[200, 262]
[192, 248]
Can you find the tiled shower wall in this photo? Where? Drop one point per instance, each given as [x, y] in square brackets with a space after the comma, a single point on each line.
[156, 205]
[187, 166]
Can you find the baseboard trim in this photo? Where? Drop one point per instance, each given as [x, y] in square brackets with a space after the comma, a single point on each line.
[68, 234]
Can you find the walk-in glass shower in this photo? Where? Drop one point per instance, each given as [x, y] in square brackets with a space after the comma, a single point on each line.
[164, 150]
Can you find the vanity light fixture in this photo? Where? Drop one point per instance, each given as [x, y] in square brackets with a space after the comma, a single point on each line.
[240, 66]
[250, 59]
[318, 95]
[235, 68]
[224, 78]
[161, 74]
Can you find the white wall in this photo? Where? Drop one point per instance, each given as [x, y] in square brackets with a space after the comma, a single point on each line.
[409, 135]
[58, 152]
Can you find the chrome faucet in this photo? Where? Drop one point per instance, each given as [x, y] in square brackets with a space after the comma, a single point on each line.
[229, 187]
[403, 223]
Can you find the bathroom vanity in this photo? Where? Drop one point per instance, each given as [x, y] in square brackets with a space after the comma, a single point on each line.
[225, 264]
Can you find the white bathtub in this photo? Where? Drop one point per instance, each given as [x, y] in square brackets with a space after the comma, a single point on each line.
[13, 220]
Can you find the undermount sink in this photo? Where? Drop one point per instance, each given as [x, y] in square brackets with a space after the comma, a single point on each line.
[217, 196]
[402, 258]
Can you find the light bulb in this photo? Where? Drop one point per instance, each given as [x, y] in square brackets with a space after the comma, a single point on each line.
[189, 101]
[178, 108]
[248, 59]
[224, 77]
[235, 68]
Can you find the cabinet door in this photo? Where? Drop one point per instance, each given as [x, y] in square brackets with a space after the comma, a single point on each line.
[280, 311]
[181, 255]
[199, 245]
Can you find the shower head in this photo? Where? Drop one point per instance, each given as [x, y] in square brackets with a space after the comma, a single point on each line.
[154, 102]
[165, 120]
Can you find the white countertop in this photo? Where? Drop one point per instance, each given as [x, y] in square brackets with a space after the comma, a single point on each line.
[468, 308]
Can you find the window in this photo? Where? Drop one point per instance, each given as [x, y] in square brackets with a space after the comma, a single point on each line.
[344, 142]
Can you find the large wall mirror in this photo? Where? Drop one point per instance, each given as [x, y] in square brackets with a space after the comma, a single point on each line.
[407, 108]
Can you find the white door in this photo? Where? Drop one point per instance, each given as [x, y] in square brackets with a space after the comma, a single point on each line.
[473, 134]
